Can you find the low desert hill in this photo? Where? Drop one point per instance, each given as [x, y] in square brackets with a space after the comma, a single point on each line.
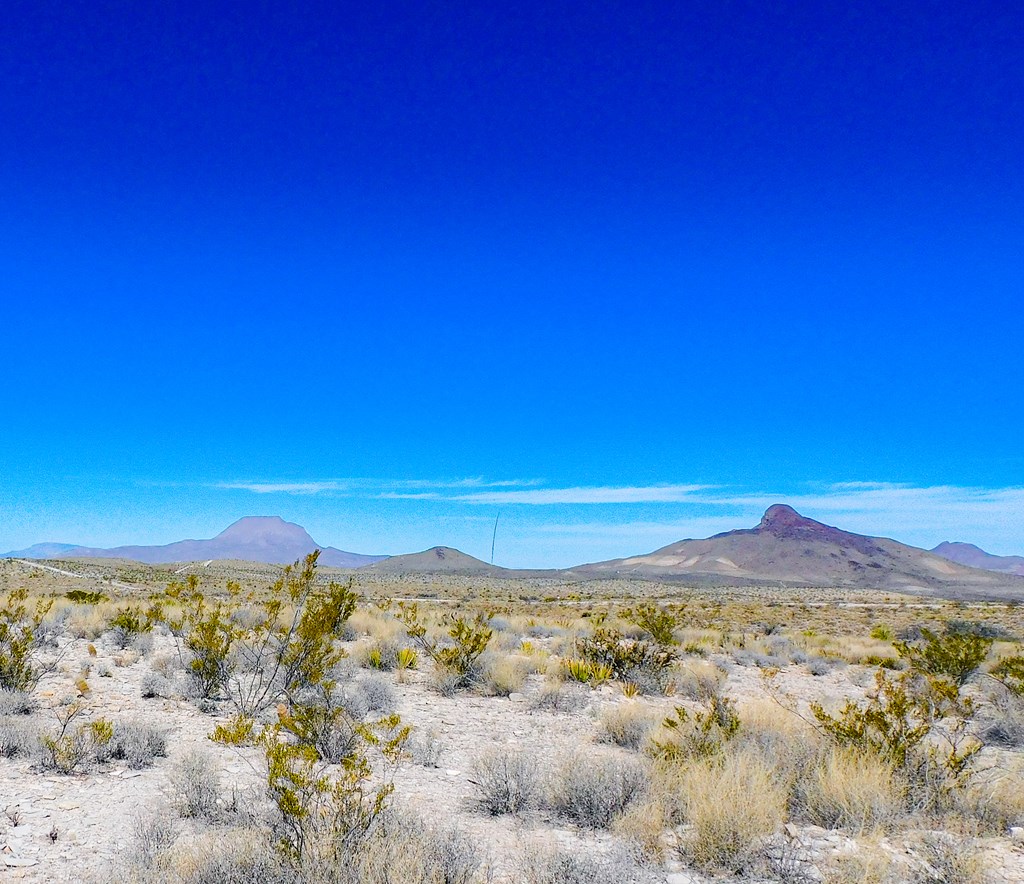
[790, 550]
[268, 539]
[439, 560]
[975, 557]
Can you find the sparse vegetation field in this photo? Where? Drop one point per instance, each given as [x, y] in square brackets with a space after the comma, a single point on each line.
[245, 722]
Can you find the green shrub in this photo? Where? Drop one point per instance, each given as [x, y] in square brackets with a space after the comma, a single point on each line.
[628, 659]
[699, 734]
[953, 655]
[83, 597]
[20, 641]
[658, 622]
[459, 661]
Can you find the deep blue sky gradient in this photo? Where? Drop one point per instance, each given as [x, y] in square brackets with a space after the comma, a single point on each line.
[599, 244]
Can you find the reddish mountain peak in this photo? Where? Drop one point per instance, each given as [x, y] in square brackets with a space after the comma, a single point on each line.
[786, 523]
[781, 517]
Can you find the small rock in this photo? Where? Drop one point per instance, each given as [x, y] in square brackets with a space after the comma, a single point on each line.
[17, 862]
[453, 773]
[516, 697]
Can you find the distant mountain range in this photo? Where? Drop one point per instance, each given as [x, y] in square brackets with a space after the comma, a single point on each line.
[789, 549]
[784, 549]
[975, 557]
[267, 539]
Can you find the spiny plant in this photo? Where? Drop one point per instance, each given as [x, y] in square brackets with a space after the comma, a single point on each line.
[20, 669]
[698, 734]
[658, 622]
[469, 640]
[585, 672]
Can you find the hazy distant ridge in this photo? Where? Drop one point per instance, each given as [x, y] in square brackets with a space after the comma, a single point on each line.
[268, 539]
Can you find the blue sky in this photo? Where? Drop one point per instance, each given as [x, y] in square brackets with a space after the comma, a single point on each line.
[387, 272]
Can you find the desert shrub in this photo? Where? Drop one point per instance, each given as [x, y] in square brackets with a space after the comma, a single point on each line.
[953, 655]
[948, 859]
[137, 744]
[594, 791]
[697, 734]
[14, 702]
[239, 730]
[849, 789]
[379, 693]
[290, 643]
[20, 643]
[557, 697]
[322, 818]
[381, 655]
[882, 633]
[732, 802]
[402, 849]
[153, 833]
[457, 662]
[84, 597]
[627, 725]
[657, 622]
[128, 624]
[320, 722]
[628, 659]
[553, 865]
[507, 781]
[426, 747]
[72, 749]
[1010, 672]
[18, 737]
[195, 784]
[698, 680]
[155, 685]
[897, 717]
[504, 675]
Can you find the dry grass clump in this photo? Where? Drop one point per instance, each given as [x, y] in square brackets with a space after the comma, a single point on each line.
[557, 696]
[506, 781]
[626, 724]
[849, 789]
[594, 791]
[504, 674]
[732, 803]
[994, 799]
[16, 703]
[697, 679]
[18, 737]
[195, 785]
[548, 865]
[948, 859]
[868, 864]
[403, 849]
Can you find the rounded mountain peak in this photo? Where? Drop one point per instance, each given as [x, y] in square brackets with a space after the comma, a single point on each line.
[262, 528]
[781, 515]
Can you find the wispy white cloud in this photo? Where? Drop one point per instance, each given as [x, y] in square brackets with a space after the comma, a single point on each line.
[373, 487]
[282, 487]
[588, 495]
